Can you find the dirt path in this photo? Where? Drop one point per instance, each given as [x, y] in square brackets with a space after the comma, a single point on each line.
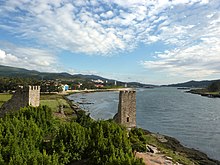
[155, 159]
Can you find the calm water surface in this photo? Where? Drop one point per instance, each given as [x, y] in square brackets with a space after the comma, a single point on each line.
[192, 119]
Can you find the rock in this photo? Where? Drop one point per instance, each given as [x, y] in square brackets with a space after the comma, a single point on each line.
[152, 149]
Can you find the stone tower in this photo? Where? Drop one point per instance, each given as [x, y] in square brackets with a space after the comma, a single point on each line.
[34, 96]
[127, 109]
[22, 97]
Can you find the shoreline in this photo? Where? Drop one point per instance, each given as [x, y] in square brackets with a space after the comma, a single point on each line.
[170, 142]
[69, 92]
[190, 153]
[204, 94]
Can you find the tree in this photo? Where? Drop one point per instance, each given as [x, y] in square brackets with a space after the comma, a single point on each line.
[214, 87]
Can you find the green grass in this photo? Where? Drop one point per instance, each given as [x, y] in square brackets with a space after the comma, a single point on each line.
[53, 104]
[50, 97]
[4, 97]
[54, 101]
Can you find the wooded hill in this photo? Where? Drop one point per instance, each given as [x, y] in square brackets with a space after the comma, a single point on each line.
[7, 71]
[194, 84]
[13, 72]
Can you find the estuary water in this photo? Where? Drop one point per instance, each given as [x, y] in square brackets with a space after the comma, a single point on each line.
[192, 119]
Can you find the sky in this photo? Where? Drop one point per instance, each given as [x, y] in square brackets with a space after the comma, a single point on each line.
[148, 41]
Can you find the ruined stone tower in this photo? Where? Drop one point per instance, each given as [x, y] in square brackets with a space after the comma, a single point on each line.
[22, 97]
[127, 109]
[34, 96]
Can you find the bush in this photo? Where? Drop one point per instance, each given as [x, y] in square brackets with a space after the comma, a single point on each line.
[33, 136]
[138, 140]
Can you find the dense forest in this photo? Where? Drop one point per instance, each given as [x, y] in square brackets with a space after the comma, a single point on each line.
[33, 136]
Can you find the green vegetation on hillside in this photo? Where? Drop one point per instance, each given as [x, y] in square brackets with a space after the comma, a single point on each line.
[34, 136]
[48, 81]
[194, 84]
[214, 87]
[213, 90]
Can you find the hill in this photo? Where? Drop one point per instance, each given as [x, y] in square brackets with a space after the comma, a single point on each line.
[13, 72]
[7, 71]
[193, 84]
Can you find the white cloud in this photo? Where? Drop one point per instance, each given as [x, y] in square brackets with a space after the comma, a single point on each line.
[189, 29]
[108, 14]
[2, 54]
[197, 61]
[82, 26]
[30, 58]
[195, 40]
[5, 58]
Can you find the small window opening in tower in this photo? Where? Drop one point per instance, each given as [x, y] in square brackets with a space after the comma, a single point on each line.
[127, 119]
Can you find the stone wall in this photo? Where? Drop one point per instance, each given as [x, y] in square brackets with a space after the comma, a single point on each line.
[127, 109]
[23, 96]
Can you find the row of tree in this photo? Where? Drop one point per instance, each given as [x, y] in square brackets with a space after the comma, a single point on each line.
[34, 136]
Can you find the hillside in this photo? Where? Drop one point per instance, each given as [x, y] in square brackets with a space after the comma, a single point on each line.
[12, 72]
[193, 84]
[7, 71]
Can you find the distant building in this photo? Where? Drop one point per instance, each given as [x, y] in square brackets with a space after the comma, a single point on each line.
[126, 85]
[99, 85]
[79, 85]
[98, 81]
[115, 83]
[65, 87]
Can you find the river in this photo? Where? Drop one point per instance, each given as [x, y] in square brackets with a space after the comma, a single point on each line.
[192, 119]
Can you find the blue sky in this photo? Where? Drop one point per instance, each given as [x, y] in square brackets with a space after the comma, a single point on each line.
[149, 41]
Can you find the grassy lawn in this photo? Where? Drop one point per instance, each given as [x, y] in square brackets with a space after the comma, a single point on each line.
[53, 104]
[4, 97]
[50, 97]
[54, 101]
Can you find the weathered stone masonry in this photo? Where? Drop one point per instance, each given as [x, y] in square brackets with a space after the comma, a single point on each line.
[23, 96]
[127, 109]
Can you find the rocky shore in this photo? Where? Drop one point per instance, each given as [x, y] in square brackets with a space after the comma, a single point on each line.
[177, 148]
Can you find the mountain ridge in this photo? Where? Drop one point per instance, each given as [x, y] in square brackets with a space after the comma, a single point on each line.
[12, 72]
[193, 84]
[9, 71]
